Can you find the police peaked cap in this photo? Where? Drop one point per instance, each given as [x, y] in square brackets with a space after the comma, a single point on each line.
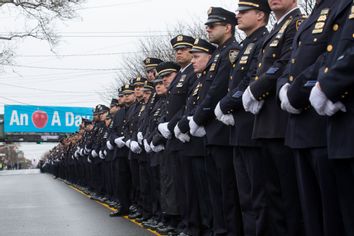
[139, 81]
[182, 41]
[101, 109]
[201, 45]
[128, 89]
[166, 68]
[218, 14]
[151, 62]
[261, 5]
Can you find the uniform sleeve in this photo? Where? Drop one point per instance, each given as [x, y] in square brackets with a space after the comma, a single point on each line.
[217, 90]
[265, 85]
[338, 82]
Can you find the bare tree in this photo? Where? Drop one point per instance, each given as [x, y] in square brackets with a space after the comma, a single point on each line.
[41, 14]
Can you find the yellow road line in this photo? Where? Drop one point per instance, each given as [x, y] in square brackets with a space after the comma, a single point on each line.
[113, 209]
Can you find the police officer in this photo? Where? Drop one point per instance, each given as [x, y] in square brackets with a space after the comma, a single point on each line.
[150, 64]
[270, 121]
[306, 130]
[220, 27]
[332, 96]
[121, 166]
[252, 17]
[176, 99]
[199, 218]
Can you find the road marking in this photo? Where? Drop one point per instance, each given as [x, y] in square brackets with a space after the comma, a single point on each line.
[112, 209]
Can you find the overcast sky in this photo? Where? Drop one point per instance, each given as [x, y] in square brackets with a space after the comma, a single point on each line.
[89, 51]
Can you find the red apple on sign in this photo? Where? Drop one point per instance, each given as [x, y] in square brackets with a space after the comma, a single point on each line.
[39, 119]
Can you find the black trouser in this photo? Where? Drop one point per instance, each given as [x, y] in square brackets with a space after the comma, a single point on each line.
[145, 188]
[124, 183]
[316, 182]
[251, 186]
[200, 193]
[285, 216]
[223, 191]
[134, 169]
[344, 172]
[154, 172]
[167, 182]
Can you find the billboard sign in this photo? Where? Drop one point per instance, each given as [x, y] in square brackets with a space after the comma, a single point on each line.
[44, 119]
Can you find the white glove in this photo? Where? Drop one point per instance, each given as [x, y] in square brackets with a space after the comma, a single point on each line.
[164, 130]
[196, 130]
[101, 155]
[157, 148]
[127, 143]
[119, 141]
[134, 147]
[285, 103]
[250, 103]
[228, 119]
[87, 150]
[218, 112]
[76, 154]
[140, 137]
[89, 160]
[72, 157]
[82, 152]
[318, 99]
[180, 136]
[177, 131]
[94, 153]
[147, 146]
[105, 152]
[109, 145]
[184, 138]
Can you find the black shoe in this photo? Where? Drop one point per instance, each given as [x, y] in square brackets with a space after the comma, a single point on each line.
[141, 219]
[134, 215]
[118, 213]
[166, 230]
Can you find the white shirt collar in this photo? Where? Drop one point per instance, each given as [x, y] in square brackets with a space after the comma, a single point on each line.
[283, 17]
[183, 69]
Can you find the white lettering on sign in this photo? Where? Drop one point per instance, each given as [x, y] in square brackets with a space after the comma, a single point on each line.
[77, 120]
[21, 120]
[69, 119]
[56, 119]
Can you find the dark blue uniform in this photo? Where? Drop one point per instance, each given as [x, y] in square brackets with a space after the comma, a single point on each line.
[247, 153]
[270, 125]
[336, 81]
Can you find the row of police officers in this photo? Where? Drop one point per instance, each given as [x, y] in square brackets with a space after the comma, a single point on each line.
[232, 138]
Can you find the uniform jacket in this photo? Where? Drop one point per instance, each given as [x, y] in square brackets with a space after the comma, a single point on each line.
[213, 90]
[271, 121]
[245, 68]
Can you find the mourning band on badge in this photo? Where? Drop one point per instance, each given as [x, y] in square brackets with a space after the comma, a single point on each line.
[310, 83]
[272, 70]
[238, 94]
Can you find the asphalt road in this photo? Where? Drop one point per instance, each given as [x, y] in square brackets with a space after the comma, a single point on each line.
[36, 204]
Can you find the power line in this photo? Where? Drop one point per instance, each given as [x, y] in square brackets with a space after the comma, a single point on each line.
[45, 90]
[57, 68]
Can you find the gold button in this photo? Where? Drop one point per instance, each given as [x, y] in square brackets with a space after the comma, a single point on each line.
[291, 78]
[353, 35]
[343, 96]
[256, 78]
[267, 93]
[329, 48]
[346, 93]
[260, 98]
[335, 27]
[293, 61]
[242, 68]
[274, 55]
[326, 70]
[300, 43]
[259, 65]
[315, 39]
[263, 51]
